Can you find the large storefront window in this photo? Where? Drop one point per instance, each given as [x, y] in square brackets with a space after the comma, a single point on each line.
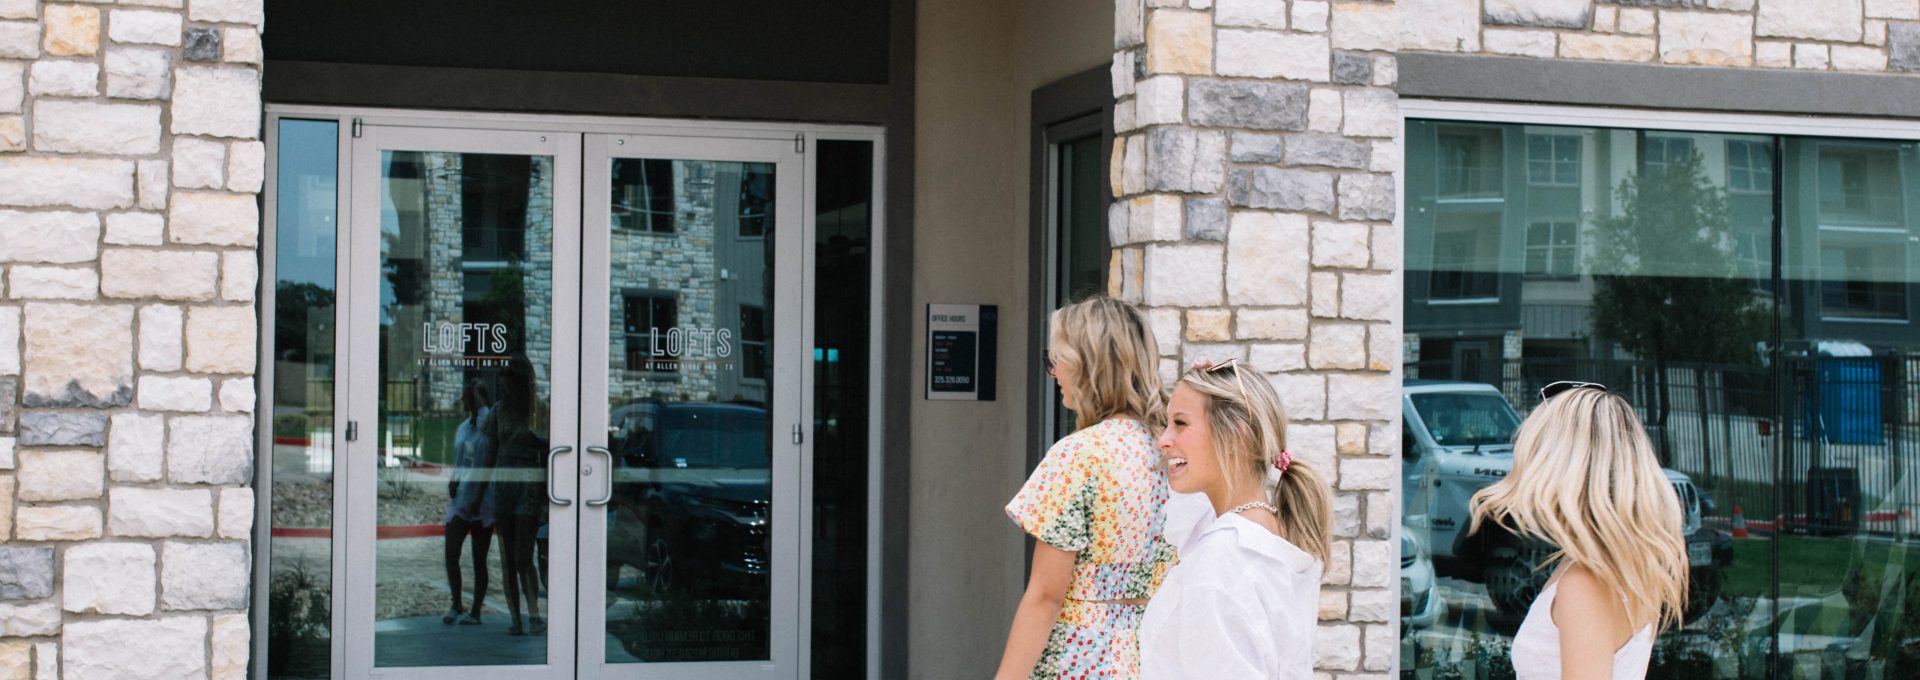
[1752, 296]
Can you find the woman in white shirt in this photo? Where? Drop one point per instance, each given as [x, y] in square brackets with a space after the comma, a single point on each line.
[1585, 479]
[1245, 596]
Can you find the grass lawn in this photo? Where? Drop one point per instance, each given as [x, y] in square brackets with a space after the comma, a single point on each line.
[1812, 566]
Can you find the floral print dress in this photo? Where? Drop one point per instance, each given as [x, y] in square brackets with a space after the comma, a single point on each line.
[1099, 493]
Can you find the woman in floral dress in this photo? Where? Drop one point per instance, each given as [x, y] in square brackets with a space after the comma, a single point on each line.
[1094, 504]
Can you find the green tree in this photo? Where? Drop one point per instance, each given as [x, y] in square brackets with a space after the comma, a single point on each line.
[1668, 286]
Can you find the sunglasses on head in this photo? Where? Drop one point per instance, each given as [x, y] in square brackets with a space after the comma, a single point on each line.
[1553, 389]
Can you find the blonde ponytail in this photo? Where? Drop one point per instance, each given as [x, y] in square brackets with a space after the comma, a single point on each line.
[1249, 429]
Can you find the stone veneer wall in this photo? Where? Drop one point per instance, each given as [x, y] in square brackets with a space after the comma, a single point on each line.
[129, 170]
[1255, 159]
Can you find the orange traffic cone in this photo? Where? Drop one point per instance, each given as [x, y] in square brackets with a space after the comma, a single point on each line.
[1739, 523]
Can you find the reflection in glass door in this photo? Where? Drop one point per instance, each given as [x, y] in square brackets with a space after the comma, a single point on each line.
[460, 456]
[693, 306]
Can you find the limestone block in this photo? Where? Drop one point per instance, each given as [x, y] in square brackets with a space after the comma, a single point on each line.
[226, 11]
[1521, 43]
[1381, 515]
[46, 661]
[1366, 26]
[1773, 54]
[60, 475]
[1605, 47]
[1117, 227]
[168, 648]
[1312, 444]
[1386, 71]
[1120, 74]
[1274, 358]
[240, 45]
[1166, 329]
[1337, 346]
[165, 274]
[1892, 9]
[1281, 189]
[87, 127]
[1340, 244]
[1707, 38]
[1339, 564]
[71, 30]
[1383, 645]
[1253, 147]
[19, 40]
[135, 447]
[1371, 113]
[13, 133]
[1309, 16]
[1303, 395]
[53, 283]
[136, 229]
[1333, 605]
[1265, 263]
[1159, 100]
[1273, 54]
[1367, 197]
[64, 78]
[28, 620]
[1810, 56]
[16, 659]
[145, 27]
[210, 449]
[220, 340]
[1324, 149]
[1247, 104]
[167, 393]
[1273, 324]
[1538, 13]
[1854, 58]
[153, 184]
[1384, 157]
[1155, 217]
[1179, 42]
[246, 166]
[1185, 160]
[1635, 21]
[1183, 275]
[19, 9]
[1835, 20]
[1206, 220]
[160, 513]
[1133, 165]
[236, 513]
[1195, 352]
[202, 44]
[1440, 25]
[239, 275]
[1366, 473]
[53, 428]
[1209, 325]
[199, 163]
[1346, 510]
[1324, 110]
[54, 523]
[204, 576]
[6, 519]
[12, 88]
[162, 338]
[78, 356]
[216, 102]
[1254, 13]
[1129, 24]
[51, 237]
[214, 219]
[26, 573]
[108, 578]
[231, 634]
[1352, 69]
[1903, 47]
[1383, 348]
[1324, 288]
[1362, 397]
[1373, 563]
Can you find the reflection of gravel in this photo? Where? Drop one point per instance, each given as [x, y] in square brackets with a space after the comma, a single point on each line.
[309, 503]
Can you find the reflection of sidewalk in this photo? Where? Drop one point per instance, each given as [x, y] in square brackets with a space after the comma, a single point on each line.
[425, 641]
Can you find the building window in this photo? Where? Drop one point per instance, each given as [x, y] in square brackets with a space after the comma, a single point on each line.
[1659, 150]
[1749, 166]
[756, 200]
[753, 342]
[1858, 185]
[1469, 162]
[643, 197]
[1553, 160]
[1863, 274]
[1553, 248]
[1466, 253]
[646, 317]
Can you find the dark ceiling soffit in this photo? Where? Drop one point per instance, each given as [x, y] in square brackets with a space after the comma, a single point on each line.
[1745, 90]
[306, 82]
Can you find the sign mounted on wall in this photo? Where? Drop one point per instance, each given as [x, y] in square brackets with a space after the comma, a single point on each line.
[960, 351]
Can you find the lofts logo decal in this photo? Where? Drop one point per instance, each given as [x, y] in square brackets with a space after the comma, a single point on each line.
[467, 345]
[670, 348]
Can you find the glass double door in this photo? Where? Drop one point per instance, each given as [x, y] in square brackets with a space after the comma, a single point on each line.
[574, 377]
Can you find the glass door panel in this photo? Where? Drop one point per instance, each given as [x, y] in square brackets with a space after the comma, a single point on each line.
[693, 315]
[461, 457]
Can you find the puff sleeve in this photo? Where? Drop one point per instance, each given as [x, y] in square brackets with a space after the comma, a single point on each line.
[1055, 506]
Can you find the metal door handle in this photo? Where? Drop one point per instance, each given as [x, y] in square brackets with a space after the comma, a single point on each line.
[603, 500]
[553, 495]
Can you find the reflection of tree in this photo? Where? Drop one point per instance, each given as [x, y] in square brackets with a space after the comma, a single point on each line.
[1668, 287]
[295, 303]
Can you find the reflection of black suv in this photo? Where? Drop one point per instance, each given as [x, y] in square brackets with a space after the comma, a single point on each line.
[691, 498]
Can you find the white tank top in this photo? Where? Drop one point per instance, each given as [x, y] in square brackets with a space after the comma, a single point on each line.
[1536, 648]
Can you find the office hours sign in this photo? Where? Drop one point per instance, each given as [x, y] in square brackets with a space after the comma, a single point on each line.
[960, 351]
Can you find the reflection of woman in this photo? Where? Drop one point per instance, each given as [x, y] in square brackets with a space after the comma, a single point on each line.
[1585, 479]
[1245, 598]
[1094, 503]
[519, 492]
[468, 513]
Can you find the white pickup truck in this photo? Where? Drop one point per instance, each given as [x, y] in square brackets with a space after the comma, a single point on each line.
[1458, 438]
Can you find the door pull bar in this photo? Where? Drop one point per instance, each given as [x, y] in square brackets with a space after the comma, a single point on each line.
[552, 495]
[608, 498]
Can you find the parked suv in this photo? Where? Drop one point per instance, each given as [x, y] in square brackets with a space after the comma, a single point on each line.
[1457, 438]
[691, 498]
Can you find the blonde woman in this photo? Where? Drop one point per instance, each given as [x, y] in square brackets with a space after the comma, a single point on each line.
[1585, 479]
[1245, 597]
[1094, 503]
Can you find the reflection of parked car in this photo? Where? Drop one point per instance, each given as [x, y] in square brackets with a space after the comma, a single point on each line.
[1458, 438]
[691, 497]
[1420, 606]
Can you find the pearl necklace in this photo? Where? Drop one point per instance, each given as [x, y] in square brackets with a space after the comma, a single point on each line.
[1255, 504]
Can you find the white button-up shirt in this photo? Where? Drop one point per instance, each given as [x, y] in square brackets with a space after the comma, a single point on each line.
[1242, 602]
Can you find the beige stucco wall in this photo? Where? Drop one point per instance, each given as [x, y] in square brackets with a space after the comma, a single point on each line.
[978, 64]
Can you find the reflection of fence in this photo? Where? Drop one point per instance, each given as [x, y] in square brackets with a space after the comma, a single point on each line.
[1826, 444]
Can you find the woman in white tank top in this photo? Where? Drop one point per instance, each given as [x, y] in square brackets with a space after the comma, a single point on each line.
[1585, 479]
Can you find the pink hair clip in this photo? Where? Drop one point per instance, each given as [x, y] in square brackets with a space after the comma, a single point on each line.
[1283, 461]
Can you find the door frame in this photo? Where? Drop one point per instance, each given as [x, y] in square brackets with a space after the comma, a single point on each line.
[881, 413]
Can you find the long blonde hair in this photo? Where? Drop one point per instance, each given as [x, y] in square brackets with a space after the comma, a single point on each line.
[1111, 348]
[1249, 428]
[1586, 480]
